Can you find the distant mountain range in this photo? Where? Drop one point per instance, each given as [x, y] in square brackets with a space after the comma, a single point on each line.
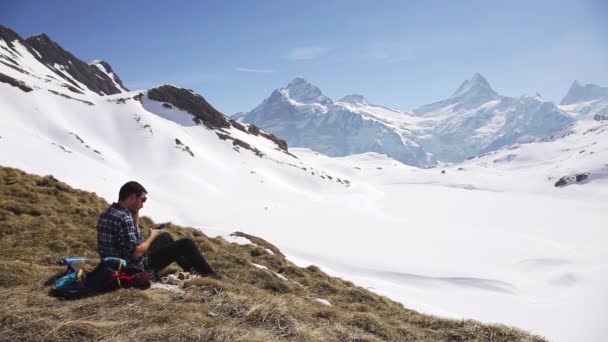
[472, 121]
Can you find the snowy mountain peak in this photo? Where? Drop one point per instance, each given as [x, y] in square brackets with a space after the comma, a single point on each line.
[42, 37]
[8, 35]
[354, 99]
[51, 59]
[106, 68]
[582, 93]
[477, 85]
[300, 90]
[471, 94]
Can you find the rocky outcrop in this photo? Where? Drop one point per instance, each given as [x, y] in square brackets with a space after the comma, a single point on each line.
[64, 64]
[54, 56]
[566, 180]
[9, 36]
[15, 83]
[240, 143]
[600, 117]
[108, 70]
[204, 113]
[189, 101]
[253, 129]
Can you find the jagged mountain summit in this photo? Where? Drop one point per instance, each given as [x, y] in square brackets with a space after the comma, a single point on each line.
[583, 93]
[38, 58]
[471, 94]
[586, 101]
[303, 116]
[475, 119]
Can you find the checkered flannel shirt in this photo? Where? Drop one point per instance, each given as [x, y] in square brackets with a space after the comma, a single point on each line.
[118, 235]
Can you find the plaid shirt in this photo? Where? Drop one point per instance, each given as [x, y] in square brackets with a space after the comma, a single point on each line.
[118, 235]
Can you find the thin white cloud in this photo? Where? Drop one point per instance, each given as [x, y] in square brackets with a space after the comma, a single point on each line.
[258, 71]
[307, 52]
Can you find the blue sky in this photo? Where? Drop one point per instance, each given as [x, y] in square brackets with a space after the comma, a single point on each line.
[400, 54]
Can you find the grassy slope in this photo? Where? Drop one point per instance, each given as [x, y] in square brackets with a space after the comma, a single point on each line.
[43, 220]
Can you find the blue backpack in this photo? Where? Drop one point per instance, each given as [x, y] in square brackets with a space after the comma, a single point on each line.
[76, 283]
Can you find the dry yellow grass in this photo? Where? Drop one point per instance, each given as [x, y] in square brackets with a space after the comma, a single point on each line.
[43, 220]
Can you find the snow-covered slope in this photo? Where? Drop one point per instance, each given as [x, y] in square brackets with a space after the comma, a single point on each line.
[491, 238]
[474, 120]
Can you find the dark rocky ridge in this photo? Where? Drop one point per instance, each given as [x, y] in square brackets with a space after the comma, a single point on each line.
[253, 129]
[109, 70]
[9, 35]
[204, 113]
[50, 53]
[192, 103]
[576, 178]
[15, 83]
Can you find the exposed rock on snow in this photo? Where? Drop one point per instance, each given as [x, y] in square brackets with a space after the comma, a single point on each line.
[566, 180]
[180, 146]
[189, 101]
[15, 83]
[599, 117]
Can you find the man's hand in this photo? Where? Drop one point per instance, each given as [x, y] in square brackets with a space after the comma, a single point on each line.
[142, 248]
[154, 233]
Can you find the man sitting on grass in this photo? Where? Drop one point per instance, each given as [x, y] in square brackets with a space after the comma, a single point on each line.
[118, 235]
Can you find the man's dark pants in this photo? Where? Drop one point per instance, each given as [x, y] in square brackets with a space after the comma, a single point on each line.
[164, 250]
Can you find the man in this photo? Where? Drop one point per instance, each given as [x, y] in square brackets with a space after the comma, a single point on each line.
[118, 235]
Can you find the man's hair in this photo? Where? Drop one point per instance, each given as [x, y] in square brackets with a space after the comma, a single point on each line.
[130, 188]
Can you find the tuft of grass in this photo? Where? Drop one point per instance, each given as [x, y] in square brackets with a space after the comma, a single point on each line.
[43, 220]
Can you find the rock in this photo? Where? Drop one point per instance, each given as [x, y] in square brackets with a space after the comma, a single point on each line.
[50, 54]
[566, 180]
[190, 102]
[599, 117]
[280, 142]
[238, 125]
[561, 182]
[15, 83]
[253, 129]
